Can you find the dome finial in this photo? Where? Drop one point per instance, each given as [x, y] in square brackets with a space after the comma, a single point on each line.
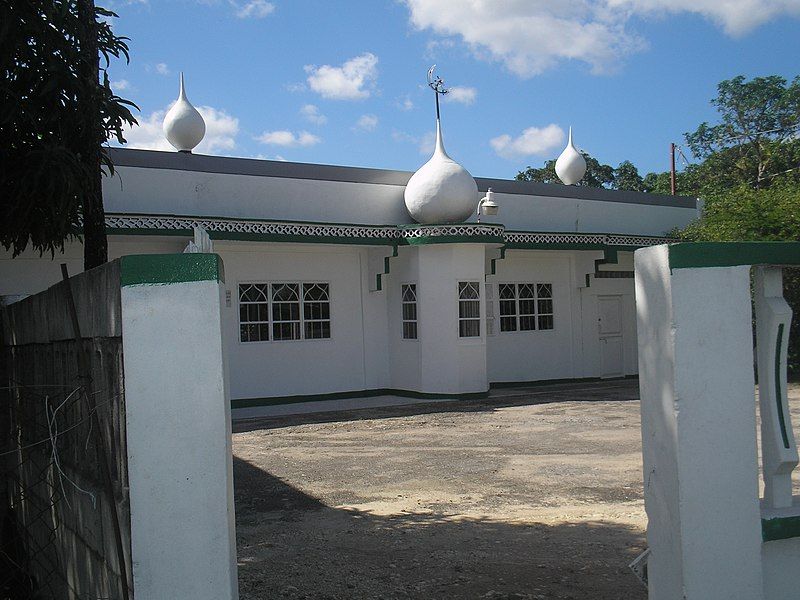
[184, 127]
[441, 191]
[570, 166]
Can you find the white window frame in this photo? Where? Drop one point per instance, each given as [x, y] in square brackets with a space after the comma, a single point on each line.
[271, 322]
[470, 319]
[403, 303]
[536, 315]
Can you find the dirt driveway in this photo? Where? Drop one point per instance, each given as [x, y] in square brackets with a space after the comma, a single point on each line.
[531, 494]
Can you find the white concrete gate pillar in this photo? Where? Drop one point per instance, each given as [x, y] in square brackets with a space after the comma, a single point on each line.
[178, 428]
[708, 534]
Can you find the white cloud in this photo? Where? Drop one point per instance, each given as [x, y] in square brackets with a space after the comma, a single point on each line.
[288, 138]
[120, 85]
[463, 95]
[405, 103]
[425, 143]
[277, 157]
[533, 140]
[162, 69]
[311, 113]
[255, 9]
[354, 80]
[531, 37]
[221, 132]
[735, 17]
[367, 123]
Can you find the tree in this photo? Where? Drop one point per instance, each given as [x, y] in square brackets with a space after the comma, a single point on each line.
[626, 177]
[756, 118]
[597, 174]
[748, 214]
[56, 110]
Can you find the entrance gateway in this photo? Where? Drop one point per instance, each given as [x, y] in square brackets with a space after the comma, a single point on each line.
[710, 535]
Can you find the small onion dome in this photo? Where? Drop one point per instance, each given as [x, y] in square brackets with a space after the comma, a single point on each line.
[570, 166]
[441, 191]
[184, 127]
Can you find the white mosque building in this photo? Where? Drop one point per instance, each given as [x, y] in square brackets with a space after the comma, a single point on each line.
[345, 282]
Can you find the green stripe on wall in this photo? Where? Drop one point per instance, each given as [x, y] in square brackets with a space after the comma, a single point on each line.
[695, 255]
[780, 528]
[255, 402]
[162, 269]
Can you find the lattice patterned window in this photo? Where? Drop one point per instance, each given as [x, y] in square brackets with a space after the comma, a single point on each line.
[544, 305]
[526, 306]
[409, 302]
[469, 309]
[253, 312]
[284, 311]
[317, 310]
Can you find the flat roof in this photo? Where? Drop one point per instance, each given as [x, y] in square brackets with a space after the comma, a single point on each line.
[182, 161]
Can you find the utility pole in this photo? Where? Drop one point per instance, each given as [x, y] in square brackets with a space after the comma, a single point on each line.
[672, 167]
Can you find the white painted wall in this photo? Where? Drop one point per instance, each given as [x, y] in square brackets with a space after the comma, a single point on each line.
[520, 212]
[448, 363]
[167, 191]
[179, 442]
[404, 355]
[30, 273]
[535, 355]
[297, 367]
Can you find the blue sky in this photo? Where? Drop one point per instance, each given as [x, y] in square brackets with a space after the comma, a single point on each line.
[344, 82]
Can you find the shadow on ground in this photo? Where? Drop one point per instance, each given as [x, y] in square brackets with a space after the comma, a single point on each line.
[291, 545]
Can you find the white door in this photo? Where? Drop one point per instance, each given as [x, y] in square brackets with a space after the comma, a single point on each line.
[609, 327]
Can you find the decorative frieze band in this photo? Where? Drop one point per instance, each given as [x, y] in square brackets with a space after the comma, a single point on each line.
[380, 233]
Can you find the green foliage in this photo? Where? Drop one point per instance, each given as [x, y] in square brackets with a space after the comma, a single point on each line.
[757, 117]
[626, 177]
[748, 214]
[53, 116]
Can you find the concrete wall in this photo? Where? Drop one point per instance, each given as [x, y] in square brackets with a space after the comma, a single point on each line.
[536, 355]
[281, 368]
[158, 320]
[404, 355]
[169, 183]
[366, 350]
[69, 533]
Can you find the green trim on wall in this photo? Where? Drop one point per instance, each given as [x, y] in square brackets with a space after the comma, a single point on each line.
[453, 239]
[778, 397]
[780, 528]
[502, 256]
[386, 268]
[547, 382]
[161, 269]
[276, 400]
[697, 255]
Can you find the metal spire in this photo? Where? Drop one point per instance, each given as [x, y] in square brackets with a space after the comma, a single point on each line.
[437, 85]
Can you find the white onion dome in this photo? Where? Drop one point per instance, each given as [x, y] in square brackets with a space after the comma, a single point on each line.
[441, 191]
[570, 166]
[184, 127]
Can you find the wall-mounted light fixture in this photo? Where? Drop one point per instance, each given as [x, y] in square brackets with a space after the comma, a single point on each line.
[487, 205]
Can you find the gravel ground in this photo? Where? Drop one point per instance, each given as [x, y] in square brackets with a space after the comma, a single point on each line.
[530, 494]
